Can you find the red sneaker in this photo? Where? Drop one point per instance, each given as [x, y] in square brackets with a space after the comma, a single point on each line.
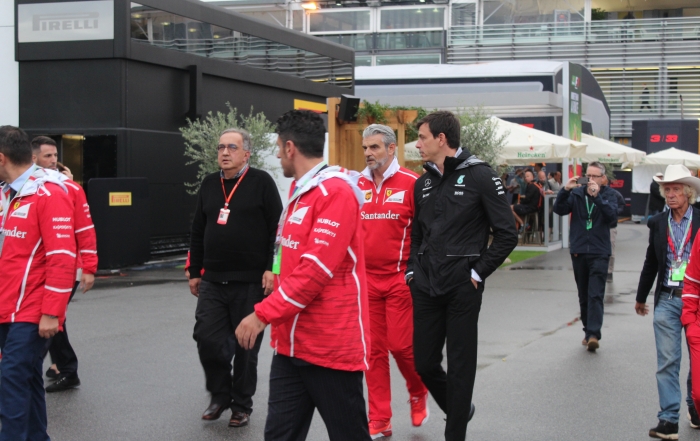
[378, 429]
[419, 410]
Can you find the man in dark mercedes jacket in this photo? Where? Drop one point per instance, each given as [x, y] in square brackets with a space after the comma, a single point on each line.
[460, 201]
[593, 207]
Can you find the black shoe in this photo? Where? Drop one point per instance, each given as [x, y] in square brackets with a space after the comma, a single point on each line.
[693, 418]
[50, 373]
[609, 279]
[471, 412]
[213, 412]
[64, 383]
[665, 430]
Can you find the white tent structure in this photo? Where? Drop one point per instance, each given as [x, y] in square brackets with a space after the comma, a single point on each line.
[525, 145]
[608, 152]
[673, 156]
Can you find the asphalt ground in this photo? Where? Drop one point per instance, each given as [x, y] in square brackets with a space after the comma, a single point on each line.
[141, 377]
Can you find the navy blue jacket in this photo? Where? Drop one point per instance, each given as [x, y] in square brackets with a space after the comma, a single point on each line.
[597, 239]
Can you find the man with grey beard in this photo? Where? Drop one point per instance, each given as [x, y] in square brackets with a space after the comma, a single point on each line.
[386, 217]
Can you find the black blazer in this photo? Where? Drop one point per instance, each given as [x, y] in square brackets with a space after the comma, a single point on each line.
[655, 262]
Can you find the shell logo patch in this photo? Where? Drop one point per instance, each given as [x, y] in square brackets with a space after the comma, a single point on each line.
[368, 195]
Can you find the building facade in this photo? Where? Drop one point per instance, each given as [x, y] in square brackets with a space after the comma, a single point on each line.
[645, 54]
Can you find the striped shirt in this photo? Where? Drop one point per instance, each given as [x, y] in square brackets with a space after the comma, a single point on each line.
[678, 232]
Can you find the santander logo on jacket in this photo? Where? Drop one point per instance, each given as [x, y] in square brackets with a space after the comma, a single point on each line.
[38, 250]
[386, 217]
[319, 310]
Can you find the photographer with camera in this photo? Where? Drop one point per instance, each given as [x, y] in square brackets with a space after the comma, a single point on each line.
[593, 208]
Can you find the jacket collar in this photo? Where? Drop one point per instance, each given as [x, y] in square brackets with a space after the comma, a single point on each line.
[461, 160]
[350, 177]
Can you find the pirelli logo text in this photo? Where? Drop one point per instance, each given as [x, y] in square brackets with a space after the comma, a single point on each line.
[117, 199]
[65, 22]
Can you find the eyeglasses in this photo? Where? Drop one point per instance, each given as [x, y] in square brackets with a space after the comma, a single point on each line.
[594, 176]
[231, 147]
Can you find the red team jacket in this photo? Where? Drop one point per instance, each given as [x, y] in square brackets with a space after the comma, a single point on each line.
[38, 252]
[691, 288]
[86, 239]
[386, 216]
[319, 310]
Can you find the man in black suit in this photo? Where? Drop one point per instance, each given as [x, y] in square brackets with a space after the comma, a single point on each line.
[671, 235]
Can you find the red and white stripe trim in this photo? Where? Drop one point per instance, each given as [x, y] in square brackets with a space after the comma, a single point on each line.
[61, 252]
[318, 261]
[51, 288]
[84, 229]
[290, 300]
[359, 305]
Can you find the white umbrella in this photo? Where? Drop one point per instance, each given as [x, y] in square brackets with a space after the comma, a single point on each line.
[602, 150]
[673, 156]
[525, 145]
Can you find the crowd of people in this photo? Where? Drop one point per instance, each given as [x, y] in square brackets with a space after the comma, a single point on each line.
[48, 249]
[351, 268]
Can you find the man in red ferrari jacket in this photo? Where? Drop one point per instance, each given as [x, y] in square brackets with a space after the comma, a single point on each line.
[38, 262]
[386, 216]
[318, 310]
[64, 369]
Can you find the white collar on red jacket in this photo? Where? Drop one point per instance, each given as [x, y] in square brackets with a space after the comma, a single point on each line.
[350, 177]
[34, 184]
[390, 171]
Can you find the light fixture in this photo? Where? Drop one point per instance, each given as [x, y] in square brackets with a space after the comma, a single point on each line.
[136, 15]
[309, 6]
[419, 11]
[192, 29]
[165, 23]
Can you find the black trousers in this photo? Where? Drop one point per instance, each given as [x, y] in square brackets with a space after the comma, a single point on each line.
[297, 388]
[590, 272]
[62, 353]
[220, 308]
[453, 318]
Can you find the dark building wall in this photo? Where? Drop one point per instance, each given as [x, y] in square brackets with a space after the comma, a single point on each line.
[70, 93]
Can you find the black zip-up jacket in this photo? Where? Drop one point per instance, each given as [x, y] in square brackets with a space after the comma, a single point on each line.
[454, 215]
[597, 239]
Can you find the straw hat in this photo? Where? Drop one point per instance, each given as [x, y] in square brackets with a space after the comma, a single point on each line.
[678, 174]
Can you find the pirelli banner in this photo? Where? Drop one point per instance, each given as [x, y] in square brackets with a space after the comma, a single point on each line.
[120, 209]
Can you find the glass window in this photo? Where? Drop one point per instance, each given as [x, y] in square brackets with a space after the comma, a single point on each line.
[277, 17]
[363, 60]
[414, 18]
[409, 40]
[175, 32]
[463, 14]
[339, 21]
[385, 60]
[545, 11]
[298, 20]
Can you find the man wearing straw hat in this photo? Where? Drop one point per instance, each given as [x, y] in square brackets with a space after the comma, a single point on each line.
[671, 235]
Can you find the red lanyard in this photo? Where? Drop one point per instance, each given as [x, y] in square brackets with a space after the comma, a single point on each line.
[228, 199]
[683, 242]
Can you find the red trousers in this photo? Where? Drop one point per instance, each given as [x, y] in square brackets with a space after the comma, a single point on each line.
[391, 328]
